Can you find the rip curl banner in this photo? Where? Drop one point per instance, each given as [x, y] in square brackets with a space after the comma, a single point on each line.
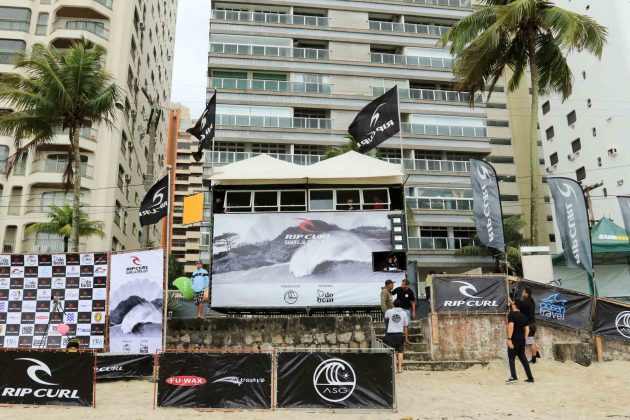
[335, 380]
[469, 293]
[487, 204]
[135, 301]
[572, 220]
[116, 366]
[612, 320]
[214, 380]
[285, 260]
[559, 306]
[47, 377]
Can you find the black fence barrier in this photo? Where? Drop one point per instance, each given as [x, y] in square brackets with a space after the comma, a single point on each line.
[612, 320]
[214, 380]
[485, 293]
[560, 306]
[116, 366]
[335, 380]
[47, 377]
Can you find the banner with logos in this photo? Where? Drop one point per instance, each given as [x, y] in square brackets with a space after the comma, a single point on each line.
[452, 293]
[487, 204]
[612, 320]
[45, 377]
[561, 307]
[335, 380]
[320, 259]
[115, 366]
[214, 380]
[36, 290]
[135, 301]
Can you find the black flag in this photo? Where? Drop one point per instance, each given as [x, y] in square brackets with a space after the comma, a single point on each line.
[487, 204]
[154, 205]
[377, 122]
[204, 129]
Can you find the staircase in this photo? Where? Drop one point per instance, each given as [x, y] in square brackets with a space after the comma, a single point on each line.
[418, 353]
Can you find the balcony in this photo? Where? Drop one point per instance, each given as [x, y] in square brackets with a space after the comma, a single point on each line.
[413, 28]
[438, 203]
[431, 165]
[95, 27]
[259, 17]
[274, 122]
[443, 130]
[47, 245]
[231, 157]
[241, 49]
[86, 132]
[439, 243]
[450, 3]
[59, 167]
[431, 95]
[8, 247]
[8, 57]
[268, 85]
[411, 60]
[21, 25]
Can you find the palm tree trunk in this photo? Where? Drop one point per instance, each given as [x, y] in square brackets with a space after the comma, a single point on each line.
[76, 187]
[66, 240]
[534, 234]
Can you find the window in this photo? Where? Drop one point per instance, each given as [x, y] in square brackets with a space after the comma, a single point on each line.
[594, 132]
[553, 159]
[501, 159]
[377, 199]
[388, 154]
[292, 201]
[115, 244]
[308, 149]
[589, 103]
[15, 19]
[580, 174]
[42, 24]
[117, 212]
[238, 201]
[266, 201]
[549, 133]
[321, 199]
[269, 148]
[121, 177]
[546, 107]
[495, 123]
[576, 145]
[599, 161]
[48, 242]
[605, 191]
[4, 157]
[57, 198]
[123, 143]
[501, 142]
[348, 200]
[584, 75]
[571, 118]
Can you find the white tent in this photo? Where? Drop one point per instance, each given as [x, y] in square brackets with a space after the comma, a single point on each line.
[349, 168]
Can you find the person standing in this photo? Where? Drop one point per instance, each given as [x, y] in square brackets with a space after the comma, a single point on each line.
[528, 308]
[517, 330]
[386, 298]
[397, 333]
[407, 298]
[200, 281]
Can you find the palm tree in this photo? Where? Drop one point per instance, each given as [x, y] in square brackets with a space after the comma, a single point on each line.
[60, 222]
[350, 146]
[56, 91]
[512, 227]
[522, 35]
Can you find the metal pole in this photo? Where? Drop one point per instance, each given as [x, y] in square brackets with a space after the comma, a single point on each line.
[149, 176]
[400, 137]
[169, 172]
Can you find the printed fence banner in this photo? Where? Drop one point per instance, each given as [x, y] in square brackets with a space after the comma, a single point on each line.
[113, 366]
[612, 320]
[469, 293]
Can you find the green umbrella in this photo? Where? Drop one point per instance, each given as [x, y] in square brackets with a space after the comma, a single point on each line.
[185, 286]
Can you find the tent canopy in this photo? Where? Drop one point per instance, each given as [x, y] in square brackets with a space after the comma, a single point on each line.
[611, 244]
[348, 168]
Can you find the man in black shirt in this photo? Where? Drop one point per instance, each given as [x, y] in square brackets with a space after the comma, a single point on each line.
[517, 330]
[529, 310]
[407, 299]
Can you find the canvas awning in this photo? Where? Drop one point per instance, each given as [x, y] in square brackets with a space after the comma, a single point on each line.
[348, 168]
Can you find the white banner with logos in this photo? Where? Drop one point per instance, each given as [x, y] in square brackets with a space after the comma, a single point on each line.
[318, 259]
[135, 301]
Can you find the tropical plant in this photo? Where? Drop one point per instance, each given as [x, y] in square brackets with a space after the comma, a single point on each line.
[60, 222]
[54, 91]
[350, 146]
[175, 269]
[522, 35]
[512, 227]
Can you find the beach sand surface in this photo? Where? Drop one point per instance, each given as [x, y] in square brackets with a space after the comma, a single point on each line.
[561, 391]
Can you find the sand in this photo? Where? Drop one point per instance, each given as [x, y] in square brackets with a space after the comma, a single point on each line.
[566, 391]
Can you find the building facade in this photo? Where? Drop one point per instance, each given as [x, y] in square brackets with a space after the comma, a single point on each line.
[583, 136]
[116, 161]
[290, 76]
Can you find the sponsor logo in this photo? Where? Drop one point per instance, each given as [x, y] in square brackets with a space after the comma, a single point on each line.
[237, 380]
[375, 126]
[310, 233]
[87, 259]
[186, 380]
[96, 342]
[137, 267]
[3, 305]
[567, 191]
[5, 260]
[334, 380]
[30, 284]
[98, 317]
[37, 366]
[396, 318]
[325, 297]
[59, 260]
[4, 283]
[31, 259]
[469, 291]
[307, 225]
[484, 175]
[35, 373]
[143, 349]
[26, 330]
[622, 322]
[17, 272]
[100, 270]
[290, 297]
[553, 307]
[127, 348]
[159, 202]
[110, 369]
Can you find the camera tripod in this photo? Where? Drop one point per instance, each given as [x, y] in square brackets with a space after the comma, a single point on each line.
[58, 307]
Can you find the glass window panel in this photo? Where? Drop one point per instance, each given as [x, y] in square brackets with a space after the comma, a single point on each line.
[321, 200]
[348, 200]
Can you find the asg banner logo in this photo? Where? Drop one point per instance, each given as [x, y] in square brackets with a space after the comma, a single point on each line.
[622, 322]
[334, 380]
[290, 297]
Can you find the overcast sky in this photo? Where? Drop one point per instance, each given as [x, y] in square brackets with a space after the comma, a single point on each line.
[191, 55]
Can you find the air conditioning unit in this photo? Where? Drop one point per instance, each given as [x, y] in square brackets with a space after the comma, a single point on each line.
[571, 156]
[620, 182]
[613, 151]
[127, 178]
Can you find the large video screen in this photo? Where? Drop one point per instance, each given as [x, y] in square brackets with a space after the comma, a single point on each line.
[319, 259]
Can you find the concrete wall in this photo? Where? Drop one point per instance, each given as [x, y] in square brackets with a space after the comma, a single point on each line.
[266, 333]
[468, 337]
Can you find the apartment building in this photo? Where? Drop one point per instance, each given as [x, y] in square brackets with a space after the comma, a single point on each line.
[584, 136]
[117, 162]
[291, 75]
